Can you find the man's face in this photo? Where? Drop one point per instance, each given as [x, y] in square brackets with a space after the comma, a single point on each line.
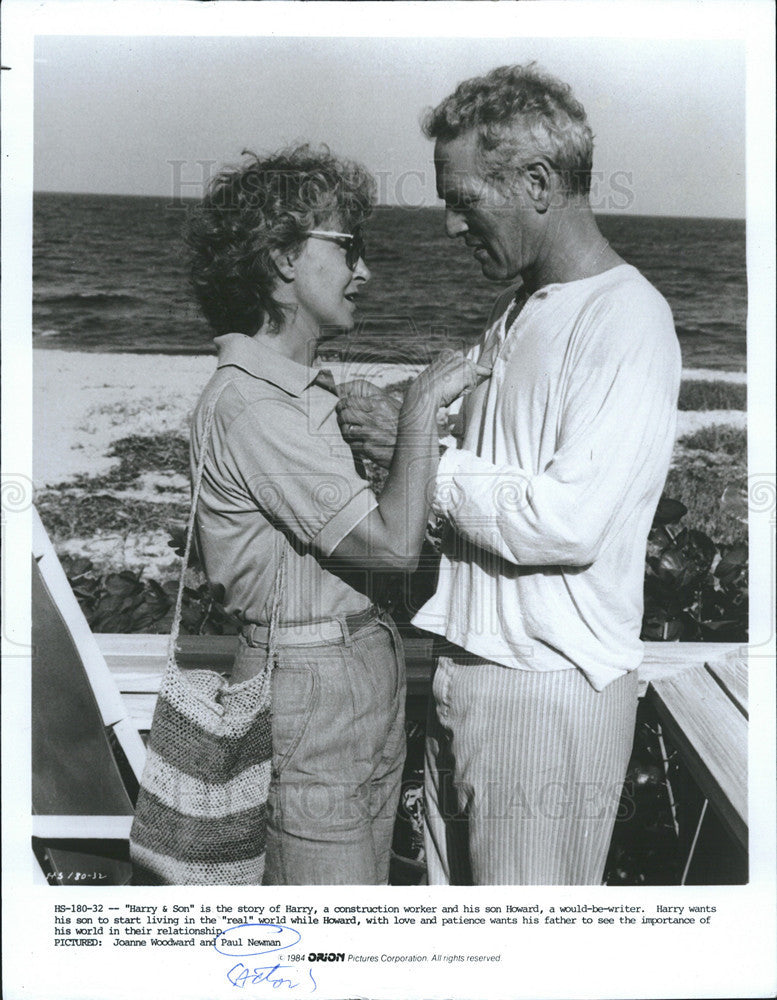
[492, 222]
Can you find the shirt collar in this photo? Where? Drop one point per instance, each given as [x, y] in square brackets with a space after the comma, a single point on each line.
[262, 362]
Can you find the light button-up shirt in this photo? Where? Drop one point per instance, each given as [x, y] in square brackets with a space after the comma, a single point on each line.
[552, 492]
[278, 475]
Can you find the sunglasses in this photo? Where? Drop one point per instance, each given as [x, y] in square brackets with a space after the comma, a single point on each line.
[353, 244]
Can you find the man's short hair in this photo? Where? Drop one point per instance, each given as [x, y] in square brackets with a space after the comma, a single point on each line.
[517, 112]
[265, 206]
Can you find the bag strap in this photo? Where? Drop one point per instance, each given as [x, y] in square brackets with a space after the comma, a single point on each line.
[275, 614]
[272, 644]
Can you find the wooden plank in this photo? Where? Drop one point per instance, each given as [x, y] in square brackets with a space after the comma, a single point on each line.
[137, 662]
[81, 827]
[667, 659]
[730, 672]
[710, 734]
[124, 650]
[141, 709]
[138, 670]
[677, 654]
[194, 650]
[658, 655]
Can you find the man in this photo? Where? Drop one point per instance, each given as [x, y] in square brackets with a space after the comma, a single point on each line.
[547, 501]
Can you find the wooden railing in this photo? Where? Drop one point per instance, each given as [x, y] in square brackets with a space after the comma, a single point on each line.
[698, 692]
[137, 663]
[703, 711]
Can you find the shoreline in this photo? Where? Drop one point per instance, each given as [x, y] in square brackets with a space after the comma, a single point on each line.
[689, 374]
[83, 401]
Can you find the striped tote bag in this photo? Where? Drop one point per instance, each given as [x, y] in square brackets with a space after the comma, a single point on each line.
[200, 817]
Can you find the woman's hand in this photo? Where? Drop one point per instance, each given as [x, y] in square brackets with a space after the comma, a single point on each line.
[368, 420]
[369, 416]
[393, 532]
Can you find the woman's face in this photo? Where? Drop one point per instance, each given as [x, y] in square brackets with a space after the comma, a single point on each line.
[325, 288]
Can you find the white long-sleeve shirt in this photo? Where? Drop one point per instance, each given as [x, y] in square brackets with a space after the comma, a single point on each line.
[552, 491]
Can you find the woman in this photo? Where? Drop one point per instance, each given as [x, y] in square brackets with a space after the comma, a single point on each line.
[285, 523]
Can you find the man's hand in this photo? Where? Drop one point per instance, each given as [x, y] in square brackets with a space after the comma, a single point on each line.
[368, 420]
[450, 375]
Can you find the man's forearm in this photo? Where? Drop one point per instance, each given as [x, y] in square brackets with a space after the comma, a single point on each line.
[552, 519]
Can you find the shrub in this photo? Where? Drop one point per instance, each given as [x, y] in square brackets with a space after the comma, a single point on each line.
[703, 395]
[125, 602]
[702, 489]
[79, 515]
[720, 439]
[87, 505]
[695, 590]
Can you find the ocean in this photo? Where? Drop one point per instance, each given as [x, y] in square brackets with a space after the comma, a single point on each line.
[109, 275]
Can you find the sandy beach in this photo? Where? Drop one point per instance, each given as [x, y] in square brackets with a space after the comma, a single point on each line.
[84, 402]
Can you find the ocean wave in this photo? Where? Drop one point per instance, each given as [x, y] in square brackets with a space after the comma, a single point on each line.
[714, 329]
[86, 299]
[108, 271]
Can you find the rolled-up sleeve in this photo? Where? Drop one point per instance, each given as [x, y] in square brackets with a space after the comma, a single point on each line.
[292, 460]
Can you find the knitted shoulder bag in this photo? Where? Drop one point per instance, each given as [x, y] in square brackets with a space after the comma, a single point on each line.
[200, 817]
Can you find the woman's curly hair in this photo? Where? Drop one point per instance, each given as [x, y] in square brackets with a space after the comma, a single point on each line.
[266, 205]
[518, 111]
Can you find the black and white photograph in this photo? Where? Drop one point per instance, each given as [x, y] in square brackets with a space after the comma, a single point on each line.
[388, 410]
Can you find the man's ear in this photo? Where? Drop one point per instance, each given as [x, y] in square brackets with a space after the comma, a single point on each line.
[284, 264]
[539, 183]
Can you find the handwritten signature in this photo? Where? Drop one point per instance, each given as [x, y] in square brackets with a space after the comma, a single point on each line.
[252, 940]
[240, 975]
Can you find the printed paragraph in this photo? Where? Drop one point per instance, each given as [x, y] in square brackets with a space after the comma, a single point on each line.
[190, 925]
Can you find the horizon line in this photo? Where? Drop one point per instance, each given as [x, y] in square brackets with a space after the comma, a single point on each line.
[617, 214]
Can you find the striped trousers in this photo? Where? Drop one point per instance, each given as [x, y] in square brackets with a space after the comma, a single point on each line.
[524, 773]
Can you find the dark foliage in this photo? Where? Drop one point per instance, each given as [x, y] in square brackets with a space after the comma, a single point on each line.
[76, 515]
[148, 453]
[125, 602]
[711, 470]
[645, 847]
[718, 439]
[695, 590]
[712, 395]
[89, 504]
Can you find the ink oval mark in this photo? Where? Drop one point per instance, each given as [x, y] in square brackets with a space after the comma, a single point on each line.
[244, 940]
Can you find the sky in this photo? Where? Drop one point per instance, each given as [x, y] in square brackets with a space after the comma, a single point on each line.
[148, 115]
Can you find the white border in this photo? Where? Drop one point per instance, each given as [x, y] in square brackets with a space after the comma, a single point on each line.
[736, 956]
